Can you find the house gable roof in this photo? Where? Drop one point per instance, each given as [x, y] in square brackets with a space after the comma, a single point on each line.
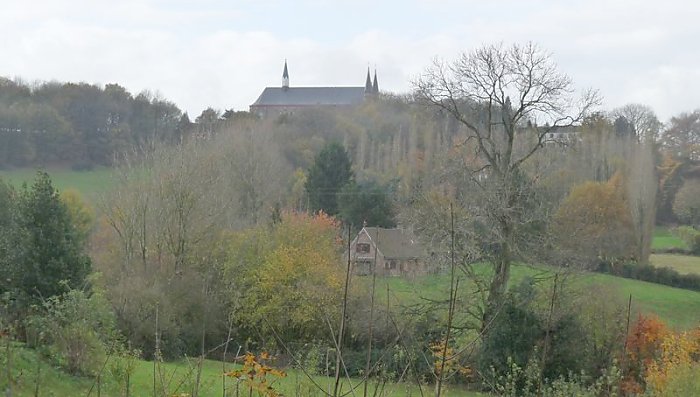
[396, 243]
[310, 96]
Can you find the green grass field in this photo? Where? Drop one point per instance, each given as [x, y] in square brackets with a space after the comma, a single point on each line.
[678, 307]
[175, 379]
[88, 183]
[664, 239]
[683, 264]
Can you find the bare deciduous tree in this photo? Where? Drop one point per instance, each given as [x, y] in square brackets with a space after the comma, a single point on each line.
[642, 120]
[682, 137]
[493, 92]
[642, 184]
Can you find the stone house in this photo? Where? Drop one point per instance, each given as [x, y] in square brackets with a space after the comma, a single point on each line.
[397, 251]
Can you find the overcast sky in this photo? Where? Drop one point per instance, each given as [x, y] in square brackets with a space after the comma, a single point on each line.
[222, 53]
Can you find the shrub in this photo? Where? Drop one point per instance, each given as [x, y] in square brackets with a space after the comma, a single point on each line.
[122, 367]
[653, 274]
[76, 330]
[524, 382]
[682, 382]
[513, 335]
[690, 236]
[686, 204]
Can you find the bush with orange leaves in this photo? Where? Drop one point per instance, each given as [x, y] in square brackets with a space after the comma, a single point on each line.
[452, 366]
[678, 352]
[656, 355]
[254, 374]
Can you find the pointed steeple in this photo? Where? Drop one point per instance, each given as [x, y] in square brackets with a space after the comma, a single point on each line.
[285, 77]
[375, 84]
[368, 83]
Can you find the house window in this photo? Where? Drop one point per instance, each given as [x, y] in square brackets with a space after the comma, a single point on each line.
[390, 265]
[363, 267]
[362, 248]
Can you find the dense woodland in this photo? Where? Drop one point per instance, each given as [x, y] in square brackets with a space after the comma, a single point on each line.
[80, 125]
[231, 230]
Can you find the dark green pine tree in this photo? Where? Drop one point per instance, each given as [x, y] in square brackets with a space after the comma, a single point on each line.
[9, 247]
[52, 260]
[330, 171]
[367, 203]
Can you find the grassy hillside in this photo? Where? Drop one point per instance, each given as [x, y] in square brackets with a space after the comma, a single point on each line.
[88, 183]
[664, 240]
[683, 264]
[678, 307]
[178, 379]
[25, 365]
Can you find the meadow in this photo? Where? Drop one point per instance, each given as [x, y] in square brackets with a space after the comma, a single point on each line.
[30, 373]
[677, 307]
[683, 264]
[88, 183]
[664, 239]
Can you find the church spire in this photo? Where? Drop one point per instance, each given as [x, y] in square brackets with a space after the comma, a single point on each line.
[285, 77]
[375, 84]
[368, 83]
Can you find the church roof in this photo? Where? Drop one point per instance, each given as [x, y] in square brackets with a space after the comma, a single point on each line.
[310, 96]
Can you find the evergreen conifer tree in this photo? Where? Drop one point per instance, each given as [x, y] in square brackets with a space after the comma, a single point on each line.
[331, 171]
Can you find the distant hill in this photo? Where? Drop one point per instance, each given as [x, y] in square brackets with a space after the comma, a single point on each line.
[80, 125]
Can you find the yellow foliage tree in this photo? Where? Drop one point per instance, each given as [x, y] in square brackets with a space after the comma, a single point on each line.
[287, 280]
[678, 353]
[594, 222]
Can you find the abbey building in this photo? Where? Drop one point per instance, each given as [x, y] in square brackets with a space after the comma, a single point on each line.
[286, 99]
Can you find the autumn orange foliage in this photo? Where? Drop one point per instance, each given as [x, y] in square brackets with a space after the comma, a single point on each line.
[254, 374]
[654, 353]
[452, 364]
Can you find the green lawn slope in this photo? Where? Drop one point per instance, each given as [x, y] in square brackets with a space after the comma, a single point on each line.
[663, 240]
[683, 264]
[88, 183]
[678, 307]
[173, 379]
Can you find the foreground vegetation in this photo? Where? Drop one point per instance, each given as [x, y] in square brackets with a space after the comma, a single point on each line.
[30, 372]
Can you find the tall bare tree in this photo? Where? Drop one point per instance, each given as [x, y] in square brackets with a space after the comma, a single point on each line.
[682, 137]
[642, 121]
[493, 92]
[642, 184]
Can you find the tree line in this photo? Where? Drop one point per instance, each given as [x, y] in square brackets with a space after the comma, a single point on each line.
[81, 125]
